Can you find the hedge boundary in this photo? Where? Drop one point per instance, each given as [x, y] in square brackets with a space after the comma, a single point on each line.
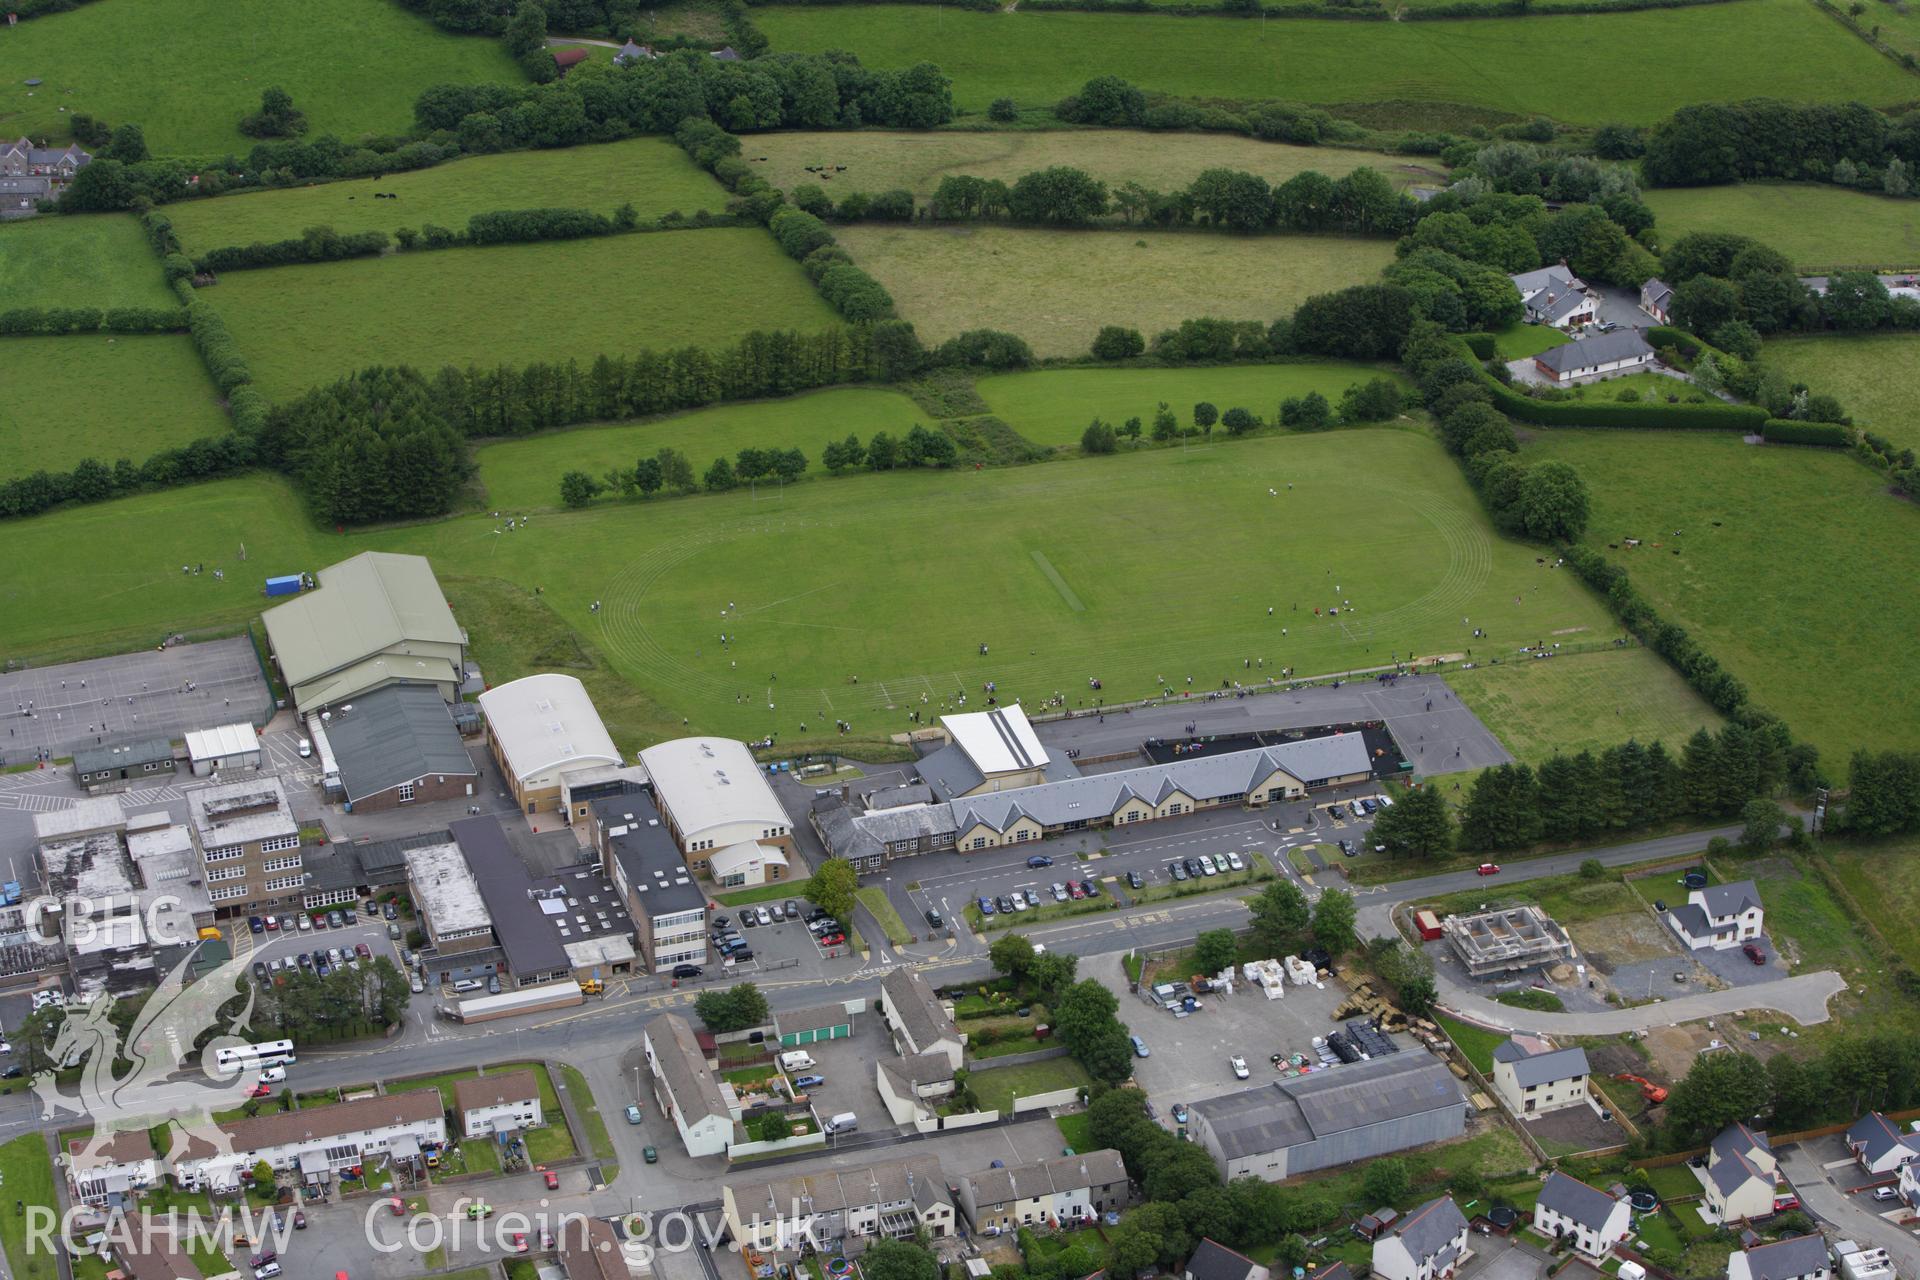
[1744, 418]
[1829, 435]
[57, 321]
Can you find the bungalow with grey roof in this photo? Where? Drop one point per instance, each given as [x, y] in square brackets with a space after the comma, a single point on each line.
[1601, 356]
[920, 1023]
[1428, 1244]
[1880, 1145]
[1555, 296]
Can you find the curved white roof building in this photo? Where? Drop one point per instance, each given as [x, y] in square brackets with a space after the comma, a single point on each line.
[542, 727]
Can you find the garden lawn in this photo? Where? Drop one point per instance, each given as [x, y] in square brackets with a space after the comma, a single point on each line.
[874, 162]
[515, 304]
[187, 70]
[27, 1173]
[1077, 1129]
[93, 260]
[1057, 288]
[997, 1087]
[1820, 226]
[523, 473]
[778, 892]
[1518, 341]
[121, 396]
[1053, 406]
[875, 900]
[1640, 66]
[1583, 701]
[811, 571]
[1861, 371]
[652, 174]
[1769, 546]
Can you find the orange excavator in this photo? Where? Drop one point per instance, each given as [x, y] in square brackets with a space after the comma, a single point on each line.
[1653, 1093]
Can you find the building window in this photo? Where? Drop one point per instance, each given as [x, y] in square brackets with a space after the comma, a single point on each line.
[281, 864]
[406, 792]
[225, 852]
[226, 873]
[279, 843]
[227, 894]
[286, 882]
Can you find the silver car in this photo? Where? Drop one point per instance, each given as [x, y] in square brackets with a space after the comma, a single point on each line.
[764, 916]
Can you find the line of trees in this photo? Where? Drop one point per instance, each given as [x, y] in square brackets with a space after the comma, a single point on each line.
[44, 321]
[669, 471]
[1376, 400]
[94, 480]
[315, 244]
[1732, 289]
[1845, 142]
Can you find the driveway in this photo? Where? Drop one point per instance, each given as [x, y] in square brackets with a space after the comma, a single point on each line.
[1820, 1196]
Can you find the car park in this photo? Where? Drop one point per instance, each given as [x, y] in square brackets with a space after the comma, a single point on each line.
[1177, 871]
[1039, 860]
[764, 916]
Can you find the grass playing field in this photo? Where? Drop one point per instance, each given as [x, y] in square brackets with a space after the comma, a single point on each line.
[1821, 227]
[187, 70]
[99, 260]
[1788, 571]
[1154, 589]
[299, 326]
[519, 474]
[1637, 67]
[1857, 369]
[120, 396]
[1056, 288]
[1053, 406]
[652, 174]
[917, 161]
[1583, 701]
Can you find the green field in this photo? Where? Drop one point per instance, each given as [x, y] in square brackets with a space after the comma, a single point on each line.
[1791, 569]
[1884, 881]
[1861, 370]
[28, 1174]
[562, 299]
[652, 174]
[187, 70]
[526, 473]
[1583, 701]
[820, 599]
[1637, 67]
[1164, 162]
[119, 396]
[1053, 406]
[99, 260]
[1820, 226]
[1056, 288]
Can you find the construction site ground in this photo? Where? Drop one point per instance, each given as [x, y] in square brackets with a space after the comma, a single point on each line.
[1572, 1130]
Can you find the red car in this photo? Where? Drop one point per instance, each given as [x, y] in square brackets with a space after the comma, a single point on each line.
[833, 939]
[1074, 890]
[1489, 869]
[263, 1091]
[519, 1242]
[1754, 953]
[553, 1180]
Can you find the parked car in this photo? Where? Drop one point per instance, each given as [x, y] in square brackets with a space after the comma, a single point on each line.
[362, 950]
[748, 919]
[1074, 890]
[256, 924]
[933, 919]
[633, 1113]
[650, 1155]
[1206, 865]
[722, 922]
[1886, 1193]
[306, 923]
[336, 920]
[1366, 802]
[390, 910]
[304, 960]
[273, 925]
[1353, 807]
[1237, 862]
[1092, 888]
[260, 971]
[765, 916]
[1135, 880]
[1004, 903]
[1753, 952]
[1239, 1065]
[687, 971]
[742, 955]
[775, 911]
[986, 905]
[1139, 1047]
[1488, 869]
[1033, 897]
[1193, 867]
[1039, 860]
[553, 1180]
[1349, 849]
[809, 1082]
[832, 940]
[417, 984]
[793, 909]
[1019, 900]
[1179, 1113]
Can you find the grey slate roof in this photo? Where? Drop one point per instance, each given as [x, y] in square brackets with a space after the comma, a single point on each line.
[1572, 1198]
[1730, 899]
[684, 1067]
[949, 771]
[895, 797]
[649, 857]
[1286, 1113]
[1214, 1261]
[1428, 1232]
[119, 755]
[1691, 919]
[524, 933]
[916, 1178]
[395, 735]
[1541, 1068]
[919, 1010]
[1875, 1135]
[814, 1018]
[909, 1074]
[1311, 760]
[1656, 292]
[1556, 277]
[1589, 353]
[1101, 1168]
[1785, 1259]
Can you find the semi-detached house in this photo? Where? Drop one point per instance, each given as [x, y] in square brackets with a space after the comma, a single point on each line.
[1060, 1191]
[1593, 1220]
[1429, 1243]
[499, 1103]
[895, 1199]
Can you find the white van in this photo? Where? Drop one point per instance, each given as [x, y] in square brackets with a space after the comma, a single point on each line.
[796, 1060]
[845, 1122]
[468, 984]
[273, 1075]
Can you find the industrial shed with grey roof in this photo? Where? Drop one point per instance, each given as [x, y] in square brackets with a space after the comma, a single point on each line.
[399, 744]
[1333, 1117]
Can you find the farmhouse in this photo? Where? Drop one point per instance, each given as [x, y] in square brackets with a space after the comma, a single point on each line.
[1719, 916]
[895, 1200]
[714, 798]
[1555, 296]
[919, 1021]
[1056, 1192]
[1533, 1082]
[630, 53]
[1798, 1258]
[491, 1105]
[317, 1142]
[702, 1106]
[1601, 356]
[639, 855]
[544, 727]
[1428, 1244]
[375, 620]
[1656, 299]
[121, 766]
[30, 175]
[1879, 1144]
[1212, 1260]
[1354, 1112]
[1592, 1219]
[395, 746]
[1740, 1174]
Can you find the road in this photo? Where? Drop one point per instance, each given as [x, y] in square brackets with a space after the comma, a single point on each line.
[1853, 1219]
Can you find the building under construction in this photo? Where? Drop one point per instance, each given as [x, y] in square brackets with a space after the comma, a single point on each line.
[1506, 940]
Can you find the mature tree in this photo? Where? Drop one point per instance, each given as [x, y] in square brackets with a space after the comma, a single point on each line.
[1419, 826]
[1083, 1012]
[1333, 921]
[1215, 949]
[1719, 1089]
[1763, 820]
[675, 470]
[100, 187]
[128, 145]
[1280, 917]
[1552, 502]
[1011, 954]
[1105, 100]
[1180, 1170]
[1110, 1113]
[734, 1008]
[1310, 412]
[1704, 303]
[1375, 400]
[1232, 199]
[276, 118]
[1238, 421]
[648, 476]
[526, 31]
[833, 887]
[1165, 424]
[899, 1260]
[720, 477]
[883, 452]
[929, 448]
[841, 455]
[1052, 973]
[1304, 202]
[1883, 798]
[1205, 415]
[1108, 1058]
[1116, 342]
[577, 489]
[1386, 1182]
[1060, 196]
[1099, 437]
[1131, 1250]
